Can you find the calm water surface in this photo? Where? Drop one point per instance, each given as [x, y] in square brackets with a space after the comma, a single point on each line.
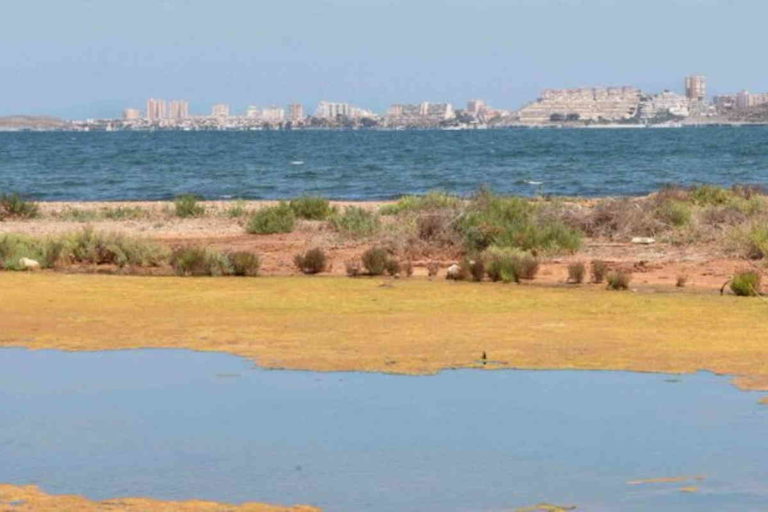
[376, 165]
[178, 424]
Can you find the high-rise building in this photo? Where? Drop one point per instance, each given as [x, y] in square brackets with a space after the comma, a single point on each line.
[696, 87]
[156, 109]
[332, 111]
[179, 109]
[220, 110]
[273, 115]
[131, 114]
[295, 112]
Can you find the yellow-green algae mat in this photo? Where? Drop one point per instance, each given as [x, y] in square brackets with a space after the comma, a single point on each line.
[403, 326]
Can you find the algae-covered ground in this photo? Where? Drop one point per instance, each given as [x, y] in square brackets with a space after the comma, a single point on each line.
[29, 498]
[405, 326]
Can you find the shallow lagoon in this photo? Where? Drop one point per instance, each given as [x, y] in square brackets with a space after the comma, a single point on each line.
[176, 424]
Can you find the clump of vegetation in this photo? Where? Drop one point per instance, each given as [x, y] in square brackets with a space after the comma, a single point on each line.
[674, 213]
[313, 261]
[433, 267]
[352, 268]
[598, 269]
[78, 215]
[393, 267]
[125, 213]
[98, 248]
[618, 280]
[272, 219]
[200, 261]
[707, 195]
[434, 200]
[355, 221]
[510, 265]
[186, 205]
[752, 241]
[236, 210]
[375, 261]
[746, 283]
[244, 263]
[681, 281]
[472, 268]
[13, 206]
[576, 272]
[516, 223]
[311, 208]
[13, 247]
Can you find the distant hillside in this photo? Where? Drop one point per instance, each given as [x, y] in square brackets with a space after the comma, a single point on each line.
[21, 122]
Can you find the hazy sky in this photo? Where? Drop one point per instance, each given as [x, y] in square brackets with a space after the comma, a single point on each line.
[91, 58]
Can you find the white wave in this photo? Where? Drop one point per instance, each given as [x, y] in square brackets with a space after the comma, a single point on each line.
[297, 162]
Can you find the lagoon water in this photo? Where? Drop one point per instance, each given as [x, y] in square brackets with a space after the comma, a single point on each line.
[174, 424]
[376, 164]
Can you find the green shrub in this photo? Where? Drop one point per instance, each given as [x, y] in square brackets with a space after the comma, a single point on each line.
[375, 261]
[78, 215]
[755, 242]
[392, 267]
[356, 222]
[746, 283]
[272, 219]
[13, 247]
[576, 273]
[13, 206]
[674, 213]
[434, 200]
[98, 248]
[618, 280]
[313, 261]
[244, 263]
[598, 269]
[510, 265]
[186, 205]
[472, 268]
[311, 208]
[513, 222]
[200, 261]
[707, 195]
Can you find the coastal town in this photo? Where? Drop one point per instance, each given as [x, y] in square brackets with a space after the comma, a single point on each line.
[624, 106]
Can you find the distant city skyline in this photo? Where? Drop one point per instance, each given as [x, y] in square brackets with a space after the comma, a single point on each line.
[87, 58]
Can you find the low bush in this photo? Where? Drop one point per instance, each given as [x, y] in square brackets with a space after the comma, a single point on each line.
[311, 208]
[674, 213]
[707, 195]
[244, 263]
[754, 242]
[355, 221]
[186, 205]
[618, 280]
[313, 261]
[576, 273]
[434, 200]
[681, 281]
[510, 265]
[472, 268]
[99, 248]
[375, 261]
[746, 283]
[513, 222]
[13, 247]
[598, 269]
[13, 206]
[272, 219]
[392, 267]
[200, 261]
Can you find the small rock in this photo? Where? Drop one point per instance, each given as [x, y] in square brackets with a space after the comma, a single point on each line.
[29, 264]
[645, 240]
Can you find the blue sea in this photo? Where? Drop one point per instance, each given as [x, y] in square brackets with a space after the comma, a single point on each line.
[376, 164]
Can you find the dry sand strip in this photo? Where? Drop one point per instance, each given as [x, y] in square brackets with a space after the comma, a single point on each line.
[29, 498]
[411, 326]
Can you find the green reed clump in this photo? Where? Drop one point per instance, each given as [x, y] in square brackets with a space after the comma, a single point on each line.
[515, 223]
[187, 205]
[576, 272]
[510, 264]
[598, 269]
[375, 260]
[356, 222]
[313, 261]
[311, 208]
[618, 280]
[435, 200]
[272, 219]
[13, 206]
[100, 248]
[200, 261]
[746, 283]
[244, 263]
